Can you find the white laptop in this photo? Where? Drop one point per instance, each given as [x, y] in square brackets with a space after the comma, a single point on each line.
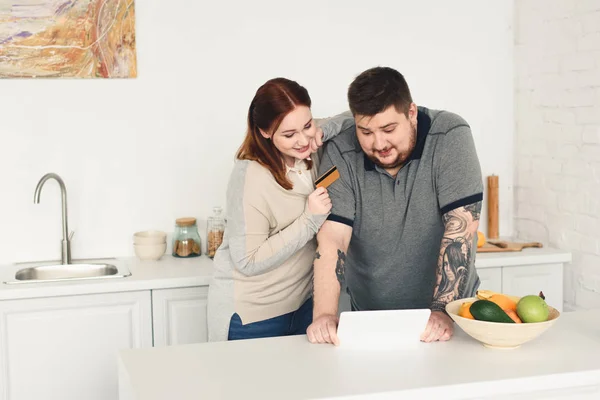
[385, 329]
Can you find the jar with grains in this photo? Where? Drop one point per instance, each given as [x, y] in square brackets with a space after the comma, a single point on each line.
[215, 229]
[186, 240]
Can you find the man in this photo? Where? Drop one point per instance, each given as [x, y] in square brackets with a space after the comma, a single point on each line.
[403, 228]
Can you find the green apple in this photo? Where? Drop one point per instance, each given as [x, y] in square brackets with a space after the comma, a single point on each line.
[532, 308]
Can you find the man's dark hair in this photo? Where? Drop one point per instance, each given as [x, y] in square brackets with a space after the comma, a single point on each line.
[376, 89]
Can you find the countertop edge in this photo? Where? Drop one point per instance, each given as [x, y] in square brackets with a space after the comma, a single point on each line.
[98, 288]
[534, 385]
[525, 257]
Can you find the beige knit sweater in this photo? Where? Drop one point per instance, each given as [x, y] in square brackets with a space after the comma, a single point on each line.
[263, 268]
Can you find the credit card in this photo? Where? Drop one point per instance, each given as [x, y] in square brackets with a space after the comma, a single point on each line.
[328, 177]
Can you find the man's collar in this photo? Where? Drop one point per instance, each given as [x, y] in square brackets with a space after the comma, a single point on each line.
[423, 128]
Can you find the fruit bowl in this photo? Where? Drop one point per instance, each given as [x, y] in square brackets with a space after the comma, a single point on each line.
[497, 334]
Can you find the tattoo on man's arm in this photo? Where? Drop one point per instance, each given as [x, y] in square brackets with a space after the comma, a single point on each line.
[455, 255]
[475, 210]
[317, 256]
[340, 267]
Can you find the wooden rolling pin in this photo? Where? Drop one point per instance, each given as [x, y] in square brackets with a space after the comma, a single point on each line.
[493, 207]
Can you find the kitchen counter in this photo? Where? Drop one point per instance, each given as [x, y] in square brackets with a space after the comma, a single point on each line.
[171, 272]
[168, 272]
[562, 363]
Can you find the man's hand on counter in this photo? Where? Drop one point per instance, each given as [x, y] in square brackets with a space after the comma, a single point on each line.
[324, 330]
[439, 327]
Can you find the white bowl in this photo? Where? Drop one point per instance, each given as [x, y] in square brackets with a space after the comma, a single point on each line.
[149, 237]
[497, 334]
[150, 251]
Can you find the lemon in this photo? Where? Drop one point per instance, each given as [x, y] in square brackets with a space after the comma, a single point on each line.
[480, 239]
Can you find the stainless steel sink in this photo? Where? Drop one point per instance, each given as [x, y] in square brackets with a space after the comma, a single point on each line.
[68, 272]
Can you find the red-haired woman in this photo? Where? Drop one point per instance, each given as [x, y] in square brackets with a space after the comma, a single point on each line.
[262, 281]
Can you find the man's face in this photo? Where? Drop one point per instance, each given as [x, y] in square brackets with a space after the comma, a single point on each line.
[388, 138]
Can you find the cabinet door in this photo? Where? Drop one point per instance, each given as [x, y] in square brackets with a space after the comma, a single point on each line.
[179, 316]
[491, 279]
[531, 279]
[66, 347]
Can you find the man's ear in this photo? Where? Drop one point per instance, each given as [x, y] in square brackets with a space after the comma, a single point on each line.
[412, 113]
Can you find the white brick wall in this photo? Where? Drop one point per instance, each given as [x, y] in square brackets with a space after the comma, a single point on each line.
[557, 181]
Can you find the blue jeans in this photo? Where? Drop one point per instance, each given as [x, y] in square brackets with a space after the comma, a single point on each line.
[294, 323]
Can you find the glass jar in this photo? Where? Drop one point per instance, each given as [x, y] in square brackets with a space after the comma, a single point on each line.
[186, 240]
[215, 228]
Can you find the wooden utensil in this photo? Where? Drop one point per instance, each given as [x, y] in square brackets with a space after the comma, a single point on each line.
[515, 245]
[493, 229]
[492, 246]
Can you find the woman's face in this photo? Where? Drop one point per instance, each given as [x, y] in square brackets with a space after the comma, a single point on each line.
[292, 137]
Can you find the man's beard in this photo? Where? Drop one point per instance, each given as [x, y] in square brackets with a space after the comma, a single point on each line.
[402, 156]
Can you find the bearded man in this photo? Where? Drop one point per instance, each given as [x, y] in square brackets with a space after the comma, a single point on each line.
[407, 203]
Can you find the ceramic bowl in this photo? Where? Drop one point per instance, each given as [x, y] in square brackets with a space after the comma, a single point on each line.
[497, 334]
[150, 251]
[149, 237]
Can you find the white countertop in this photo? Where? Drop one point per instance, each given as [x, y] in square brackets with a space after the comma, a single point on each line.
[563, 361]
[168, 272]
[171, 272]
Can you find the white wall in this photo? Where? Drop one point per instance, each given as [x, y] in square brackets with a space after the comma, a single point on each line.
[136, 154]
[558, 136]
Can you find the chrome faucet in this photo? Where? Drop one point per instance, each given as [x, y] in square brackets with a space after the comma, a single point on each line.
[66, 241]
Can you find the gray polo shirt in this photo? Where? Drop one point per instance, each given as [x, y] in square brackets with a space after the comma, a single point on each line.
[397, 222]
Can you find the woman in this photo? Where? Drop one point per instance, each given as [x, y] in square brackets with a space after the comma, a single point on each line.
[262, 282]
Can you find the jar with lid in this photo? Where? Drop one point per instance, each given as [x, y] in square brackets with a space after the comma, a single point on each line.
[186, 240]
[215, 228]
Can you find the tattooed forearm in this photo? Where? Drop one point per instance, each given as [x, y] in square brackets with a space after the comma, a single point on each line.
[330, 265]
[340, 267]
[456, 254]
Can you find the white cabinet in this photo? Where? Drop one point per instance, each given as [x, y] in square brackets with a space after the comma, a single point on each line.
[491, 279]
[179, 316]
[66, 347]
[531, 279]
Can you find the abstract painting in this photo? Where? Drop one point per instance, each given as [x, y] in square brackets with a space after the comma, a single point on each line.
[67, 39]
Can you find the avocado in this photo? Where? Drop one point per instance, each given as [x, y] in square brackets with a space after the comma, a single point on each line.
[485, 310]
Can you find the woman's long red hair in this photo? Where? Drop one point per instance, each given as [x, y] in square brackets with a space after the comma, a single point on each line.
[271, 103]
